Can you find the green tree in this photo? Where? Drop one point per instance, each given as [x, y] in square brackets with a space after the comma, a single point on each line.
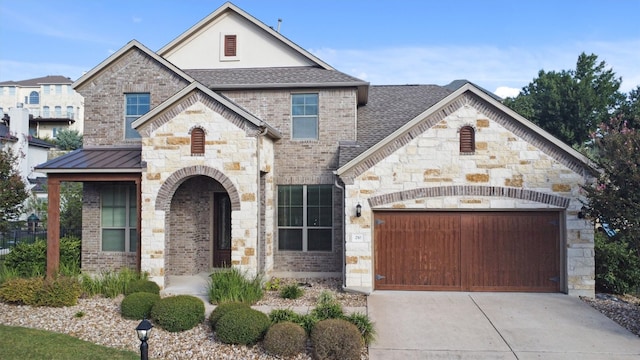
[67, 139]
[13, 192]
[71, 205]
[629, 110]
[570, 104]
[614, 197]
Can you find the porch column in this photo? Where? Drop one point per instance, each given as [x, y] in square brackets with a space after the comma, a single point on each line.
[53, 227]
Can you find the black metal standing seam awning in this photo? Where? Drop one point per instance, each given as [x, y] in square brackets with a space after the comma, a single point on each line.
[92, 160]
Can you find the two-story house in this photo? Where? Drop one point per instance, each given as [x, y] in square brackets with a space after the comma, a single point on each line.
[52, 103]
[234, 146]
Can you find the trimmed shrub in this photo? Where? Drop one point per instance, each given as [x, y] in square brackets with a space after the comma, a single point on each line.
[292, 291]
[364, 324]
[142, 285]
[222, 309]
[242, 326]
[63, 291]
[231, 285]
[178, 313]
[138, 305]
[617, 265]
[336, 339]
[21, 290]
[285, 339]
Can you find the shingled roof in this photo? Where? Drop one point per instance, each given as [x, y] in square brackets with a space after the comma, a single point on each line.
[51, 79]
[389, 107]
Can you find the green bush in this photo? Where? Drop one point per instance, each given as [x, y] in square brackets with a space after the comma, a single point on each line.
[30, 259]
[364, 325]
[336, 339]
[281, 315]
[617, 265]
[327, 308]
[178, 313]
[63, 291]
[142, 285]
[36, 291]
[231, 285]
[292, 291]
[222, 309]
[242, 326]
[285, 339]
[138, 305]
[21, 290]
[110, 284]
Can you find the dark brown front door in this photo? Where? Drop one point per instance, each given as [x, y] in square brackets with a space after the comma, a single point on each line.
[467, 251]
[221, 230]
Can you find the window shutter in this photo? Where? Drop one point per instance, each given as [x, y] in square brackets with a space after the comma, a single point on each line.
[230, 45]
[197, 141]
[467, 140]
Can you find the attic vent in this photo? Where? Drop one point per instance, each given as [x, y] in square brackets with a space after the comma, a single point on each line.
[467, 140]
[197, 141]
[230, 45]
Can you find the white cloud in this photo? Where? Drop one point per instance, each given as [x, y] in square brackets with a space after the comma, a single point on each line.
[505, 92]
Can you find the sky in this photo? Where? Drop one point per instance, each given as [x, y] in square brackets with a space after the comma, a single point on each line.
[499, 45]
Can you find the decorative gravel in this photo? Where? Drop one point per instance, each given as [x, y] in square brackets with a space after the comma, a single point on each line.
[624, 310]
[98, 320]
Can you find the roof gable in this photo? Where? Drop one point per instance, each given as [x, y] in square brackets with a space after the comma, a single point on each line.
[466, 95]
[198, 92]
[258, 45]
[132, 45]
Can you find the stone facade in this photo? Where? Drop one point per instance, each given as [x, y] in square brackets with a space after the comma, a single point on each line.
[506, 172]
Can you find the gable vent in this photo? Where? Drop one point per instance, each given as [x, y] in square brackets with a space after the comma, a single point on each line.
[230, 45]
[467, 139]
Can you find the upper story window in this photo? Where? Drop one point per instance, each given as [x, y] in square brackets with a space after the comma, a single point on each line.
[304, 116]
[467, 140]
[58, 89]
[34, 97]
[70, 112]
[305, 217]
[46, 89]
[58, 110]
[45, 112]
[137, 104]
[197, 141]
[12, 90]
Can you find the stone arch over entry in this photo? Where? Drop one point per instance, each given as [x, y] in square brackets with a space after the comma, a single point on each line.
[470, 190]
[165, 194]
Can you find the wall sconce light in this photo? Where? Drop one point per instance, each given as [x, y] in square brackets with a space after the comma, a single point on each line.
[581, 213]
[358, 210]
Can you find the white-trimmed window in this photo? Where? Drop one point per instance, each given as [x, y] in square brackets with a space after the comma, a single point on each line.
[70, 112]
[305, 217]
[119, 217]
[58, 110]
[304, 116]
[34, 98]
[137, 104]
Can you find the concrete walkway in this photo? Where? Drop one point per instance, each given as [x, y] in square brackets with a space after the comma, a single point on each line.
[458, 325]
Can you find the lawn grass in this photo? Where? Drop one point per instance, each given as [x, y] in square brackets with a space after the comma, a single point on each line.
[23, 343]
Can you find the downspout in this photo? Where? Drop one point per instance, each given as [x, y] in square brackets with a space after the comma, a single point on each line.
[344, 233]
[264, 132]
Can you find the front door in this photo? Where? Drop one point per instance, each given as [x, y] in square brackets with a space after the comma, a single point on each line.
[221, 230]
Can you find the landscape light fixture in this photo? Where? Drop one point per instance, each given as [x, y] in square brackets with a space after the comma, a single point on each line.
[358, 210]
[32, 222]
[143, 330]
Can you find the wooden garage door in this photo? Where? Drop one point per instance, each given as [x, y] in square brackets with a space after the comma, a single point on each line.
[467, 251]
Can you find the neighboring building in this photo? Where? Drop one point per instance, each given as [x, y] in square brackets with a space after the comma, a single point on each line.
[232, 145]
[52, 103]
[29, 151]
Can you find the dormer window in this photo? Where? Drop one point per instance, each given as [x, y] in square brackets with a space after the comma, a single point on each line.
[467, 140]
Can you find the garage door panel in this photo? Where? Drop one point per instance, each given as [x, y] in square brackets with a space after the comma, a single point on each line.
[471, 251]
[415, 252]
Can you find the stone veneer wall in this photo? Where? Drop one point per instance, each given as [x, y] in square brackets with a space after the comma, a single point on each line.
[306, 162]
[230, 158]
[506, 172]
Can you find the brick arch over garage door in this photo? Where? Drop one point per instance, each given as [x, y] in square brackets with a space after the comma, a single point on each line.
[470, 190]
[165, 194]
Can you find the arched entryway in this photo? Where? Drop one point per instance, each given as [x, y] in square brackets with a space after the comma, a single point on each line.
[198, 234]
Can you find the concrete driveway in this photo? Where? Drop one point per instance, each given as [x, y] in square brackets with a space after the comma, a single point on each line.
[459, 325]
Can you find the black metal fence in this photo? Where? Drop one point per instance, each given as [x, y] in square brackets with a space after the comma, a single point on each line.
[14, 237]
